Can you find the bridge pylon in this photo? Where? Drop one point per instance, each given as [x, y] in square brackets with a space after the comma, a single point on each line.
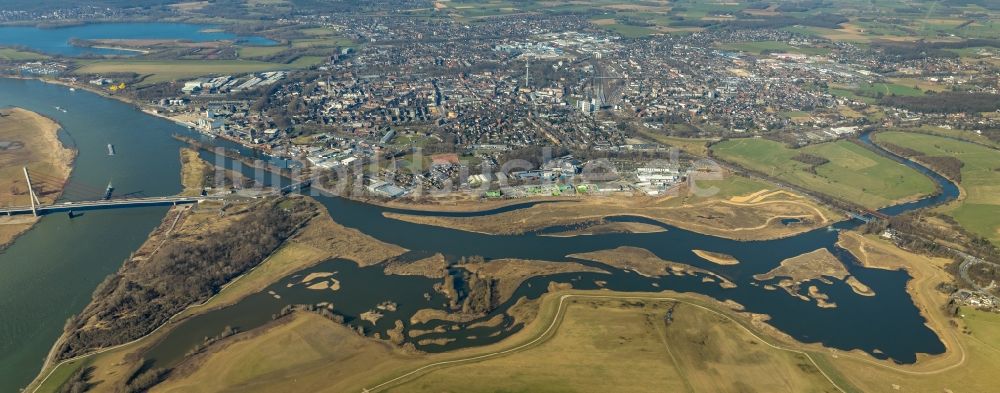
[31, 194]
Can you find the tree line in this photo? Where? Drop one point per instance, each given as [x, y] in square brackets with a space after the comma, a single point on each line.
[950, 167]
[945, 102]
[187, 269]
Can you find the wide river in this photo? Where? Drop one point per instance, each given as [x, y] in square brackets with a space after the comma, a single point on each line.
[48, 274]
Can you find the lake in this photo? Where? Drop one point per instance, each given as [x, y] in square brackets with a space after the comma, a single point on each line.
[56, 41]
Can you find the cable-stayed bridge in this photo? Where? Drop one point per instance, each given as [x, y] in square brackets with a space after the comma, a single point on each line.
[91, 198]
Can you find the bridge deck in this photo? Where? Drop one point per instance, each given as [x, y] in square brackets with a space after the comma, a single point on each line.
[110, 204]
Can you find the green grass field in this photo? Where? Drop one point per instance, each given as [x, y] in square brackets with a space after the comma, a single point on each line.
[172, 70]
[888, 89]
[318, 31]
[853, 173]
[733, 186]
[11, 54]
[477, 9]
[850, 94]
[965, 135]
[695, 146]
[414, 140]
[980, 211]
[975, 52]
[793, 114]
[61, 375]
[258, 51]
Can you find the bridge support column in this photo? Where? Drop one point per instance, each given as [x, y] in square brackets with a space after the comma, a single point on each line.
[31, 193]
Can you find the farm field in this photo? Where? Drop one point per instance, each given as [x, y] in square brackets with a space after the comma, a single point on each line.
[171, 70]
[870, 92]
[629, 31]
[979, 211]
[852, 172]
[847, 92]
[636, 19]
[952, 133]
[921, 84]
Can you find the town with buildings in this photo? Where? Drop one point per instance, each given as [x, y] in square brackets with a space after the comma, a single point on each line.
[516, 82]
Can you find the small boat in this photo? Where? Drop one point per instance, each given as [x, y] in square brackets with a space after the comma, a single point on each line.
[72, 89]
[111, 149]
[108, 191]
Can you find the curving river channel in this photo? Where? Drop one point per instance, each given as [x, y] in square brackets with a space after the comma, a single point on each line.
[49, 273]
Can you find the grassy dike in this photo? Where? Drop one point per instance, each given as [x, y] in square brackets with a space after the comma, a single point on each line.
[850, 173]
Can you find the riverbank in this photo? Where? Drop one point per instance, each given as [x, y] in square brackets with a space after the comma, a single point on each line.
[724, 216]
[28, 139]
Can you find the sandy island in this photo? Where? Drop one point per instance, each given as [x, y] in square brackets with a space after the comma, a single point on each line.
[814, 265]
[645, 263]
[716, 257]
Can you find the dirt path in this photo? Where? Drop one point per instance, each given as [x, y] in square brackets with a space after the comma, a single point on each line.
[662, 330]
